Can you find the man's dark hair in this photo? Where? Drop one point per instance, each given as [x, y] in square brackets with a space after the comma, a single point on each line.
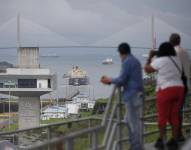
[175, 39]
[124, 48]
[166, 49]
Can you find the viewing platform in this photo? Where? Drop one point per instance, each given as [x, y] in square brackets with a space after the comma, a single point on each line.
[105, 132]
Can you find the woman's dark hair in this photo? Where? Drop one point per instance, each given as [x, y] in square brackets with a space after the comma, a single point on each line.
[166, 49]
[124, 48]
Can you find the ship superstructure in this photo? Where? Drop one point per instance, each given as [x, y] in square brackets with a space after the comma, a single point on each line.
[77, 77]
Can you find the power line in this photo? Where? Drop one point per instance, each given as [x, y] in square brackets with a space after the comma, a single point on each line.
[93, 46]
[72, 46]
[8, 47]
[81, 46]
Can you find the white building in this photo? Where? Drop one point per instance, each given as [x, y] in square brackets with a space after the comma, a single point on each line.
[84, 101]
[54, 112]
[73, 108]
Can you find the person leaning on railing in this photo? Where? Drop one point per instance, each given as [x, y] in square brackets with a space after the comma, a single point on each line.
[131, 80]
[169, 91]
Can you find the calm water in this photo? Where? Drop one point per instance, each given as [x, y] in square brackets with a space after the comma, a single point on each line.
[89, 60]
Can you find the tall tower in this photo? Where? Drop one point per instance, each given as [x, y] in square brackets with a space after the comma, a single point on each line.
[28, 82]
[153, 33]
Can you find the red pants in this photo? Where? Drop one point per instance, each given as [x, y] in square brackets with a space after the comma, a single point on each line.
[168, 104]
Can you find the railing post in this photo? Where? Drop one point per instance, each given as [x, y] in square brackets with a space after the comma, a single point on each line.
[119, 114]
[48, 136]
[14, 139]
[108, 117]
[90, 135]
[69, 144]
[142, 120]
[94, 140]
[189, 122]
[109, 104]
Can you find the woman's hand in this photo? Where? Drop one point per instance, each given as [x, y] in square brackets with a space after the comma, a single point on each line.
[152, 53]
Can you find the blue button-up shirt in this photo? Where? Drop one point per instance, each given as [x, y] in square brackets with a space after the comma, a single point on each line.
[130, 77]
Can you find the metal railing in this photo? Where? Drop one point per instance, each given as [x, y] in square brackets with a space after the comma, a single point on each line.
[107, 133]
[110, 129]
[32, 136]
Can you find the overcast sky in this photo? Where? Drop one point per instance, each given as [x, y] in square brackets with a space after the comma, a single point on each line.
[89, 21]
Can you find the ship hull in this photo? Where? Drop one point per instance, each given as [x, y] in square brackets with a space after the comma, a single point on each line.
[78, 81]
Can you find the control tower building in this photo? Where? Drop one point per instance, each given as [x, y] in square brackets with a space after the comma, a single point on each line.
[27, 82]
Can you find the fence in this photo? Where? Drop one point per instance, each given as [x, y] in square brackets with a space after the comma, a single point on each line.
[95, 133]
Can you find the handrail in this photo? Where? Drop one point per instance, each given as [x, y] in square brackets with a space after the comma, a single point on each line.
[113, 128]
[109, 123]
[64, 138]
[108, 106]
[49, 125]
[83, 131]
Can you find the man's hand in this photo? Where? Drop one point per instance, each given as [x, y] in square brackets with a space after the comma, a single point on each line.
[106, 80]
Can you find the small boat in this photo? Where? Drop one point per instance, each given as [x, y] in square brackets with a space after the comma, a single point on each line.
[107, 61]
[49, 55]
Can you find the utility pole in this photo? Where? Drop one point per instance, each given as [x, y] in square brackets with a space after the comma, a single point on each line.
[9, 108]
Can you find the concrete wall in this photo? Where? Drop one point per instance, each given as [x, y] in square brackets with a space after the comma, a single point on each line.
[28, 57]
[24, 71]
[29, 112]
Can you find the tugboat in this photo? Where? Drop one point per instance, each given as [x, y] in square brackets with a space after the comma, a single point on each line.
[77, 77]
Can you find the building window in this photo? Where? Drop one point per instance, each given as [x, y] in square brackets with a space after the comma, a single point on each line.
[84, 105]
[27, 83]
[49, 83]
[1, 85]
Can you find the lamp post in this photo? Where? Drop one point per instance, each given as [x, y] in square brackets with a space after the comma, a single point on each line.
[9, 108]
[9, 84]
[41, 107]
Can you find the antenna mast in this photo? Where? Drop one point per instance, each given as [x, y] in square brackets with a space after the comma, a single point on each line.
[153, 34]
[18, 39]
[18, 31]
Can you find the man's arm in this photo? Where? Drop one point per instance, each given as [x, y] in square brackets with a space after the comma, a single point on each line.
[123, 75]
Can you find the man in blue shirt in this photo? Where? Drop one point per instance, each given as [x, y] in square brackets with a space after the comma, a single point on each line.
[131, 80]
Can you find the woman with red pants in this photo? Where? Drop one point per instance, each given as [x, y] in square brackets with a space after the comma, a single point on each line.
[169, 91]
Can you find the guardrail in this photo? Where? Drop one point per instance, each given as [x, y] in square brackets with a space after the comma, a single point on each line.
[106, 133]
[28, 137]
[68, 140]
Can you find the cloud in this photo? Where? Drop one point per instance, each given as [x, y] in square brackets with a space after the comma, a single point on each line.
[87, 24]
[31, 34]
[88, 21]
[182, 23]
[134, 34]
[95, 21]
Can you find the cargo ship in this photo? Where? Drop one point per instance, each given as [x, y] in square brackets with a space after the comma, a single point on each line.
[77, 77]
